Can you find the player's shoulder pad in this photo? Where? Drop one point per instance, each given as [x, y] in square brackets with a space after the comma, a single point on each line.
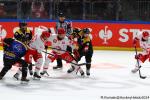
[18, 31]
[8, 40]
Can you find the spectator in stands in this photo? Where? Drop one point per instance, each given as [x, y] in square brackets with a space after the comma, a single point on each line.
[38, 10]
[2, 10]
[25, 9]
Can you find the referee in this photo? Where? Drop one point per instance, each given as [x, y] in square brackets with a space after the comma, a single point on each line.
[62, 23]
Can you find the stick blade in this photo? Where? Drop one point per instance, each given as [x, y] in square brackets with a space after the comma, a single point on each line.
[142, 77]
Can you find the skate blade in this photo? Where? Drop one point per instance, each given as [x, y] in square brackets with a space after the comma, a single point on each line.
[88, 75]
[58, 69]
[82, 76]
[35, 78]
[45, 74]
[24, 82]
[133, 71]
[73, 74]
[17, 79]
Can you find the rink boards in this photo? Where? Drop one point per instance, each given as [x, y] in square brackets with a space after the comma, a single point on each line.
[105, 35]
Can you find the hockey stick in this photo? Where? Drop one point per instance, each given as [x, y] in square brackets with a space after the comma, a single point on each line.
[70, 54]
[59, 49]
[64, 51]
[142, 77]
[67, 60]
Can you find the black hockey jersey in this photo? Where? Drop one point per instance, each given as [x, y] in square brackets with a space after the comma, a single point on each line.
[23, 37]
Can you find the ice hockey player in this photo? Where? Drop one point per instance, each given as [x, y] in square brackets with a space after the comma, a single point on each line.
[24, 35]
[68, 29]
[37, 45]
[144, 42]
[85, 47]
[13, 51]
[35, 48]
[59, 45]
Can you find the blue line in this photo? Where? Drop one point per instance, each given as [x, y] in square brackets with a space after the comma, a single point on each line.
[85, 21]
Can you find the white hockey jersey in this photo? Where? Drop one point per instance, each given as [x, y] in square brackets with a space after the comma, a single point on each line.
[145, 45]
[60, 44]
[37, 43]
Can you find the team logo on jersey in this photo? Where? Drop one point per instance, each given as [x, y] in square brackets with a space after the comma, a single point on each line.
[17, 48]
[105, 34]
[54, 40]
[3, 33]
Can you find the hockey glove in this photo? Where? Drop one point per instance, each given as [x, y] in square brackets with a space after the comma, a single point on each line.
[46, 47]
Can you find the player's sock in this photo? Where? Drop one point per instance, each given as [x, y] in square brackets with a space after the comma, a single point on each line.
[30, 69]
[88, 67]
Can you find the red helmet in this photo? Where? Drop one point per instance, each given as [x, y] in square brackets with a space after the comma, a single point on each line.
[45, 34]
[145, 34]
[61, 31]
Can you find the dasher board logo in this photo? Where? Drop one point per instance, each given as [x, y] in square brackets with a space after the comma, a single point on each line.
[3, 33]
[105, 34]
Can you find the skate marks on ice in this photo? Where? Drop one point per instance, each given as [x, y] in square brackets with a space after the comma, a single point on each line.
[101, 80]
[105, 75]
[60, 81]
[52, 84]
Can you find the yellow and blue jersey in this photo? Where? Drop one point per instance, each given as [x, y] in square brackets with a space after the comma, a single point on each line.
[24, 37]
[14, 49]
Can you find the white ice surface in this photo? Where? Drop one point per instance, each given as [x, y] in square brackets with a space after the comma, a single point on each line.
[110, 76]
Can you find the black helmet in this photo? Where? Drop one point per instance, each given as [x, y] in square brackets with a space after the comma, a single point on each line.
[86, 31]
[21, 24]
[74, 34]
[61, 14]
[76, 30]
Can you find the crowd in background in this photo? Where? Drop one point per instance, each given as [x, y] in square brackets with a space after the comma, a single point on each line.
[138, 10]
